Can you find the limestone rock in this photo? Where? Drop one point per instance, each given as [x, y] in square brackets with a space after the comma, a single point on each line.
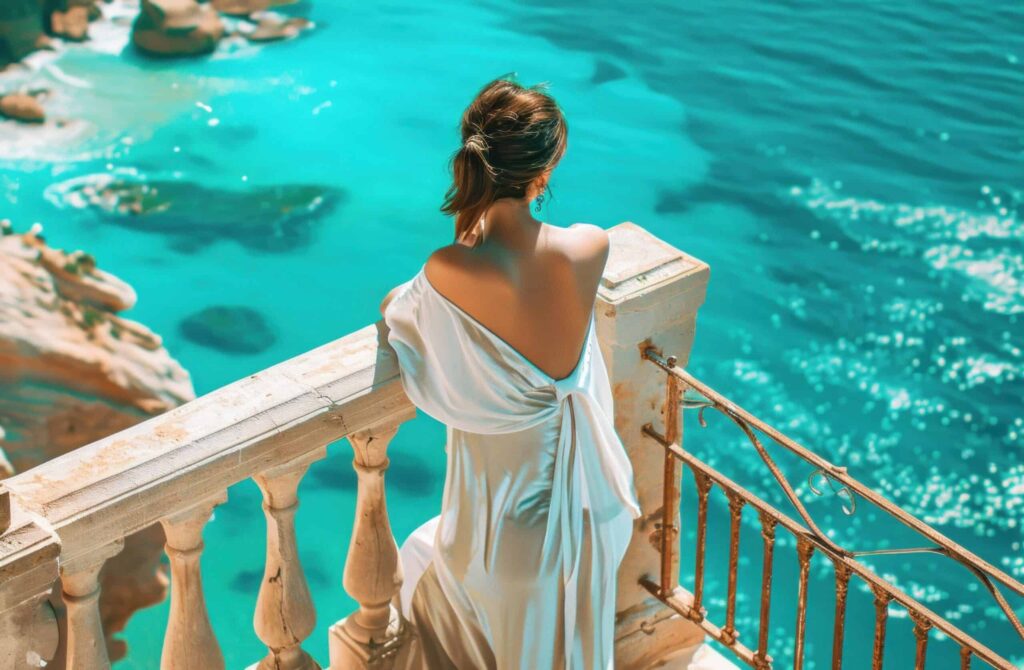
[273, 27]
[177, 28]
[22, 107]
[72, 24]
[73, 371]
[242, 7]
[247, 7]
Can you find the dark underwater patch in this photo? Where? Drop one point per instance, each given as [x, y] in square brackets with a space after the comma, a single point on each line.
[233, 329]
[605, 71]
[274, 219]
[247, 581]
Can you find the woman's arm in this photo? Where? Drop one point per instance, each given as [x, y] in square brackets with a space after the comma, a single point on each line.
[388, 298]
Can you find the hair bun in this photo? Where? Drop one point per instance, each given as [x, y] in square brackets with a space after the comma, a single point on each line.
[475, 142]
[511, 135]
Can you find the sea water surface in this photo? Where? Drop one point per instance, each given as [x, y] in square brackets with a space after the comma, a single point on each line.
[851, 171]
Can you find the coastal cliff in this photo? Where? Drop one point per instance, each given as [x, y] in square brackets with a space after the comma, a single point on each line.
[72, 371]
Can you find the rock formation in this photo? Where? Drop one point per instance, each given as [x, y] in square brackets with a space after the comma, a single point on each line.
[243, 7]
[72, 22]
[177, 28]
[23, 24]
[22, 107]
[21, 29]
[73, 371]
[271, 27]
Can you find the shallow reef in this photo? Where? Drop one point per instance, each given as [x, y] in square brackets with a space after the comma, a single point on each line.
[230, 328]
[273, 219]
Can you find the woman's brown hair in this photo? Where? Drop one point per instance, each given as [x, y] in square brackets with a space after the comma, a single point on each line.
[511, 135]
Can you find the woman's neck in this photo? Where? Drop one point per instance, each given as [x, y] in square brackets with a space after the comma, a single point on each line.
[509, 223]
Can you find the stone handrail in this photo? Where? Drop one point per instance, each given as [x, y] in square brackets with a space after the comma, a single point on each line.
[67, 516]
[175, 467]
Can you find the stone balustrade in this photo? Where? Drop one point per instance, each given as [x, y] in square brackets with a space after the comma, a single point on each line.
[65, 518]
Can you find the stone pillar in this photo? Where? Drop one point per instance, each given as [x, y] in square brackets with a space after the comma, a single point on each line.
[285, 615]
[189, 643]
[649, 295]
[87, 645]
[28, 571]
[372, 636]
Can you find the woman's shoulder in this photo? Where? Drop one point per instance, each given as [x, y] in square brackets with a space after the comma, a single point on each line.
[589, 239]
[450, 267]
[449, 259]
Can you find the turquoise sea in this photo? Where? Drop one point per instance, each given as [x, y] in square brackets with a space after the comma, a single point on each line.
[852, 172]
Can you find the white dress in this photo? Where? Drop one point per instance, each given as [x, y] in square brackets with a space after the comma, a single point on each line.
[518, 572]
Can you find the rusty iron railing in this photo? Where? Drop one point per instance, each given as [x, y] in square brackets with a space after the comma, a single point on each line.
[809, 539]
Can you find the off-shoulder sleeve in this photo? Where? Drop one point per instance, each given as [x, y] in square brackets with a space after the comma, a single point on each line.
[454, 372]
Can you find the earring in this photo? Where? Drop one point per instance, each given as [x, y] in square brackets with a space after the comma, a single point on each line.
[540, 203]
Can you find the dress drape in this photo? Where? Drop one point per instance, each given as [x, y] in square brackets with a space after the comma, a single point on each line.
[518, 571]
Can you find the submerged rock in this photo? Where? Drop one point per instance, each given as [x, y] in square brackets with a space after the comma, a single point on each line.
[22, 107]
[232, 329]
[71, 372]
[192, 216]
[177, 28]
[605, 71]
[273, 27]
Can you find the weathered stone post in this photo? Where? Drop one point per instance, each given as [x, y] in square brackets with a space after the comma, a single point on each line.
[28, 571]
[189, 642]
[373, 635]
[650, 294]
[284, 610]
[87, 645]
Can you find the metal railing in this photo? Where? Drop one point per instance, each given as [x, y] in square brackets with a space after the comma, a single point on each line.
[809, 539]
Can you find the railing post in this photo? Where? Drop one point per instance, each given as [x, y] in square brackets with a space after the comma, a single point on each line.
[87, 645]
[189, 642]
[28, 570]
[285, 615]
[374, 634]
[649, 295]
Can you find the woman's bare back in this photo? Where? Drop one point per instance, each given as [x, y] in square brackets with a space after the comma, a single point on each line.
[536, 294]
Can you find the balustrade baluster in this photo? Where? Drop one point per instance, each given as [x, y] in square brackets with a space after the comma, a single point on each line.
[965, 658]
[285, 615]
[373, 571]
[882, 600]
[768, 523]
[839, 630]
[189, 643]
[703, 482]
[804, 552]
[921, 628]
[736, 504]
[86, 644]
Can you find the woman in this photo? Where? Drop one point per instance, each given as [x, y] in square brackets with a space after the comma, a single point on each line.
[495, 337]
